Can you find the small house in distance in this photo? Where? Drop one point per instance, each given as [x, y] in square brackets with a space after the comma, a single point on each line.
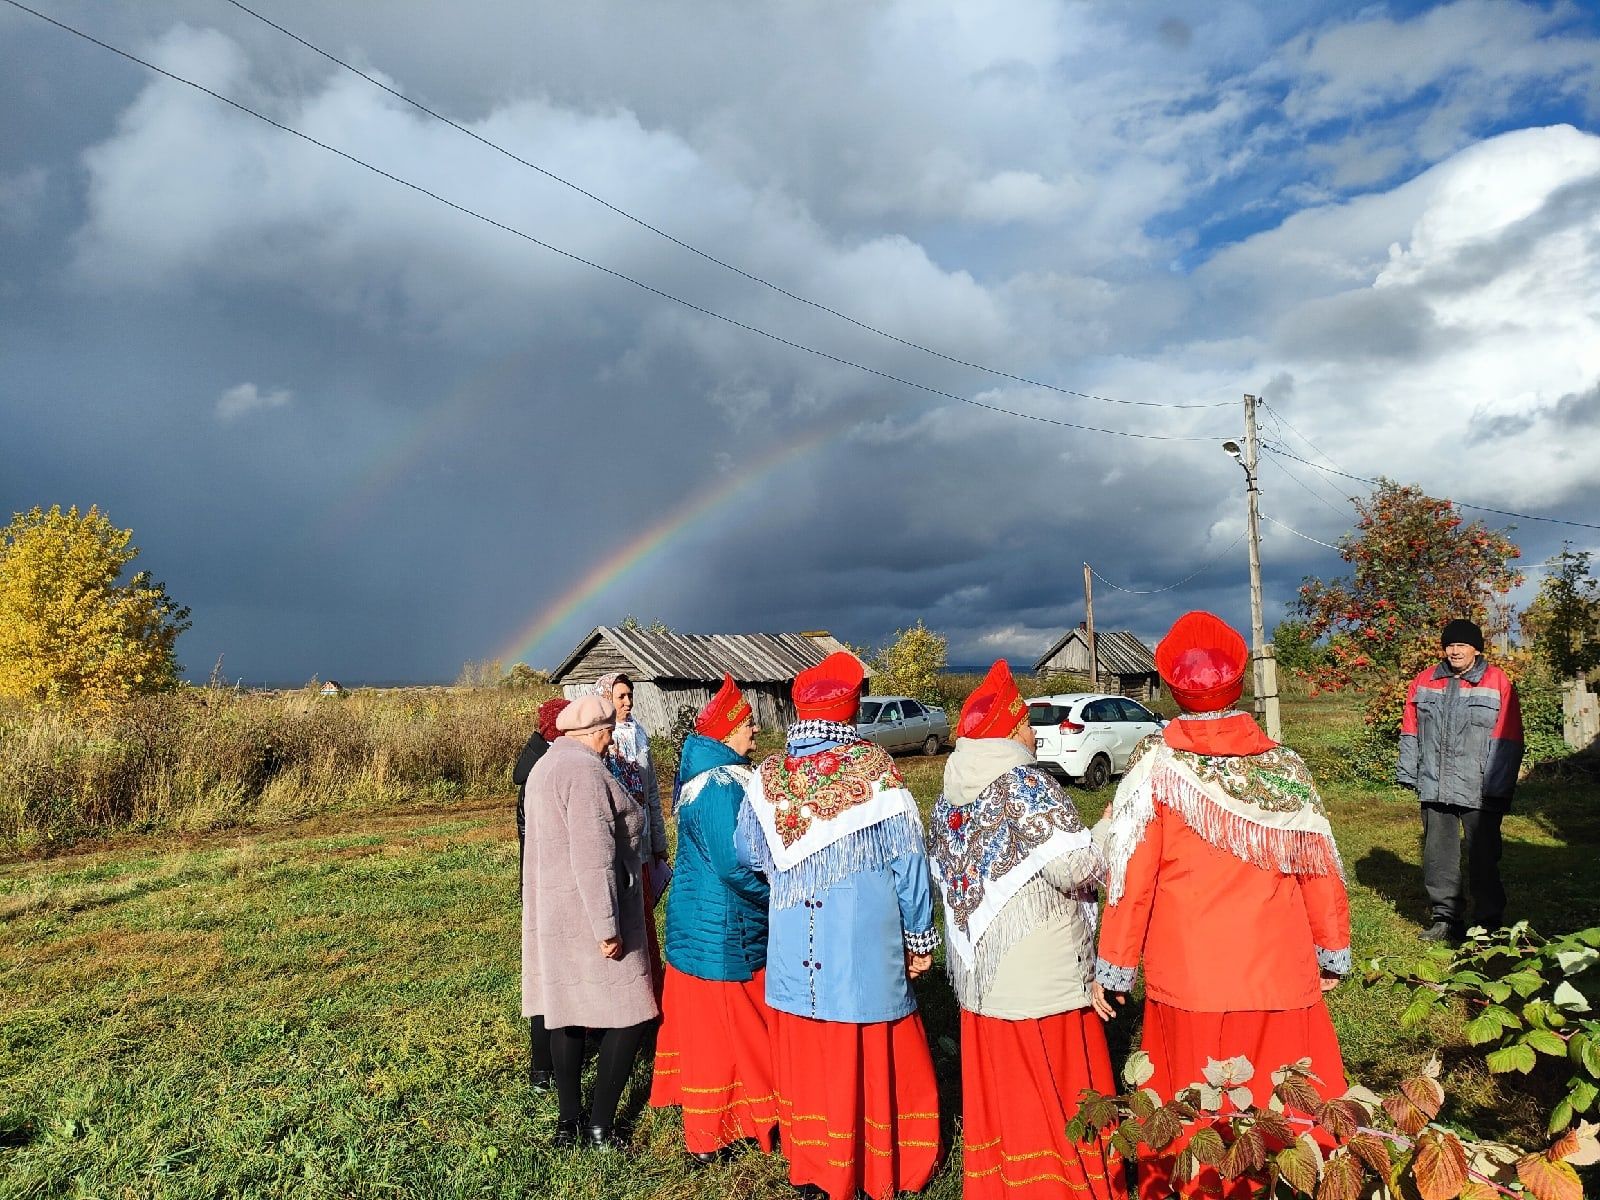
[1127, 667]
[670, 670]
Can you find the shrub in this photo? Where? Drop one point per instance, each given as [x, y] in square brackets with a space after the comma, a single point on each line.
[210, 757]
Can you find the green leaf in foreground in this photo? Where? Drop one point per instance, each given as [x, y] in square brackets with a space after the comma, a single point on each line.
[1512, 1058]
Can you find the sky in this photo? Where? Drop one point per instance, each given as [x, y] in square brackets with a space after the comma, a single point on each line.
[840, 315]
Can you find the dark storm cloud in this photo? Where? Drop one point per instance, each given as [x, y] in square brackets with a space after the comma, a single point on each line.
[1389, 324]
[1175, 33]
[1573, 413]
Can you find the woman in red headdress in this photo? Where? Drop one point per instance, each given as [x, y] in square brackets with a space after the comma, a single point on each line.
[714, 1055]
[1224, 879]
[1017, 873]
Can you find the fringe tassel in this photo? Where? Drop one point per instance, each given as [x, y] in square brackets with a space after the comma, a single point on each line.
[749, 830]
[1127, 831]
[866, 849]
[1293, 852]
[1037, 903]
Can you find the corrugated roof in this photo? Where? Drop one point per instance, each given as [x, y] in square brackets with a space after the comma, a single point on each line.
[748, 657]
[1119, 652]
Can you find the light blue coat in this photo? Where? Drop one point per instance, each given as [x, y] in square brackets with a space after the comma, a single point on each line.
[839, 954]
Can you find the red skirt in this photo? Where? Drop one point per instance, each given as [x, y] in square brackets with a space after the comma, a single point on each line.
[714, 1059]
[1020, 1083]
[1179, 1042]
[858, 1104]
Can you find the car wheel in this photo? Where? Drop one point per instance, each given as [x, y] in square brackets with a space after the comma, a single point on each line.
[931, 746]
[1098, 774]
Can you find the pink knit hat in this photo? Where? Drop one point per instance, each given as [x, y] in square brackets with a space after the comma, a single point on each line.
[586, 714]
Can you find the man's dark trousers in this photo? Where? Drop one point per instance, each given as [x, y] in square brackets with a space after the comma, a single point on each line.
[1443, 827]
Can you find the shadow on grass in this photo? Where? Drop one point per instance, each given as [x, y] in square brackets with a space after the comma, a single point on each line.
[1397, 880]
[1551, 887]
[1564, 797]
[17, 1128]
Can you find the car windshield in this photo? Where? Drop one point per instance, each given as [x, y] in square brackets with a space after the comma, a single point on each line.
[869, 712]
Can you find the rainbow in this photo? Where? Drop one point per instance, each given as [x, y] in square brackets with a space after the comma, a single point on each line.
[383, 472]
[650, 544]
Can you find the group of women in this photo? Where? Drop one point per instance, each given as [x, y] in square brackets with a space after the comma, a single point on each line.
[802, 908]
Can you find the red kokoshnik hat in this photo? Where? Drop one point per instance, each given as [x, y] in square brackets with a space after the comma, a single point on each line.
[724, 712]
[995, 709]
[829, 691]
[1202, 659]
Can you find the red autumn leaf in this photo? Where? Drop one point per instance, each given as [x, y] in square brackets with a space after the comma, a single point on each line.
[1440, 1165]
[1274, 1127]
[1184, 1167]
[1342, 1117]
[1162, 1129]
[1549, 1180]
[1417, 1103]
[1297, 1094]
[1248, 1153]
[1372, 1150]
[1342, 1178]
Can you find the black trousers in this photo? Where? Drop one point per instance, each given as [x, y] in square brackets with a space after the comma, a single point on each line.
[618, 1049]
[1444, 828]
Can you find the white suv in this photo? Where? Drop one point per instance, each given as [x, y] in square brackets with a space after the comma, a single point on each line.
[1089, 736]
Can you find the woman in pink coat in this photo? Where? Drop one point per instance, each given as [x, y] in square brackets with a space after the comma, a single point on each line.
[585, 963]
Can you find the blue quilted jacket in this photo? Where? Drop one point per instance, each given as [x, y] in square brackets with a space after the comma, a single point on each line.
[716, 907]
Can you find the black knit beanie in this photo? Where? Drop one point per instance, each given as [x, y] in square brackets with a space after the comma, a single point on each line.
[1462, 631]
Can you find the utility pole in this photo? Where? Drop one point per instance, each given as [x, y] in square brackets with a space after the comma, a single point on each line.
[1265, 676]
[1088, 607]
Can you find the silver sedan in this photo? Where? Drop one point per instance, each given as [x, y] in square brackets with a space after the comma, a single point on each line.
[901, 723]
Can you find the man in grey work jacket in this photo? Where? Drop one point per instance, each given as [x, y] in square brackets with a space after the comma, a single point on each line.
[1460, 750]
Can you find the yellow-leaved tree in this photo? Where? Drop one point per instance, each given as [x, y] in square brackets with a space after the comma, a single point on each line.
[911, 663]
[70, 633]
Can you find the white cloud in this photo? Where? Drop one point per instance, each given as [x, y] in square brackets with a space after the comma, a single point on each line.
[247, 398]
[1473, 60]
[1481, 309]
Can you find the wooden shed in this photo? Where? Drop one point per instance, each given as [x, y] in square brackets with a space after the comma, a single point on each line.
[1127, 667]
[671, 670]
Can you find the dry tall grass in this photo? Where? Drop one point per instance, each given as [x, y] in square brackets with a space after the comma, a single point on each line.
[207, 758]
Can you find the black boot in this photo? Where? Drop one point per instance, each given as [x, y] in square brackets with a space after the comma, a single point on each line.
[602, 1137]
[1442, 931]
[567, 1133]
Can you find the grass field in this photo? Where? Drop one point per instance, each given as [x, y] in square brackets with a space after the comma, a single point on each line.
[328, 1008]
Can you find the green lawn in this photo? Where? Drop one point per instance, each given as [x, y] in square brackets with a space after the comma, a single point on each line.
[329, 1009]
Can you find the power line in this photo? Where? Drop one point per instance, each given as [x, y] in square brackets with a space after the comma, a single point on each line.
[1286, 423]
[1306, 488]
[1298, 534]
[615, 274]
[1170, 586]
[1281, 452]
[692, 249]
[1283, 430]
